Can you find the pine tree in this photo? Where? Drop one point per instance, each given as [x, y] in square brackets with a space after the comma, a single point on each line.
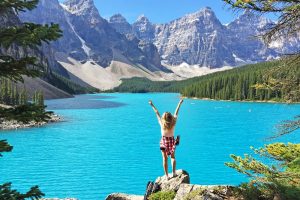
[281, 181]
[287, 26]
[40, 99]
[23, 98]
[15, 95]
[27, 35]
[12, 68]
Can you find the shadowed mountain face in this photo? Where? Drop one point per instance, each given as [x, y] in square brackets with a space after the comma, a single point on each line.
[87, 36]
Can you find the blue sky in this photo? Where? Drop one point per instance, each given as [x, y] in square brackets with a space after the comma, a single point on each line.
[161, 11]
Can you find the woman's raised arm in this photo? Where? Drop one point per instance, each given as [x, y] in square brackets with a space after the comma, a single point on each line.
[178, 107]
[156, 112]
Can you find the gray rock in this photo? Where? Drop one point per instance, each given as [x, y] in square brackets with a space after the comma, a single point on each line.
[121, 196]
[144, 29]
[120, 24]
[203, 192]
[12, 124]
[184, 190]
[173, 183]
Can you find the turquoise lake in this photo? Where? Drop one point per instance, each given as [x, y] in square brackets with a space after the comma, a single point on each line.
[110, 143]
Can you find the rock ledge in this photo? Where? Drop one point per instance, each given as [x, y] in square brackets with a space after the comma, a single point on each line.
[183, 189]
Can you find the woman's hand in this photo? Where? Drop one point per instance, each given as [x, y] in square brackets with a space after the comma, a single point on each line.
[150, 102]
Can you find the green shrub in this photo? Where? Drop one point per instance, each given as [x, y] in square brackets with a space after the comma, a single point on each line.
[194, 193]
[163, 195]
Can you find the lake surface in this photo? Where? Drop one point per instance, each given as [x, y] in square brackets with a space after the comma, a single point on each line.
[110, 143]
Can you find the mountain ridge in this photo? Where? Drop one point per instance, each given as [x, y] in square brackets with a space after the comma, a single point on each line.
[117, 49]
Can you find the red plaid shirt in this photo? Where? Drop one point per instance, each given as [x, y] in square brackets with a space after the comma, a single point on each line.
[167, 144]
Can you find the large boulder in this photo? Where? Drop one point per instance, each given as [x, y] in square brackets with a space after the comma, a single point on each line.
[121, 196]
[201, 192]
[174, 182]
[185, 189]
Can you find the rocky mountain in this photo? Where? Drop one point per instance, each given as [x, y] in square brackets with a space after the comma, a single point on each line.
[91, 42]
[197, 38]
[99, 52]
[120, 24]
[144, 29]
[242, 40]
[201, 39]
[87, 36]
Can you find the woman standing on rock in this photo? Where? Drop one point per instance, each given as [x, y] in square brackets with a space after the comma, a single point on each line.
[167, 143]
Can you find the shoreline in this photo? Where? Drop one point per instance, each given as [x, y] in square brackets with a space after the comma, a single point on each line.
[15, 125]
[242, 101]
[205, 99]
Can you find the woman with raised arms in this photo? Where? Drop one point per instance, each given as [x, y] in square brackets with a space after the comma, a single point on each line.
[168, 143]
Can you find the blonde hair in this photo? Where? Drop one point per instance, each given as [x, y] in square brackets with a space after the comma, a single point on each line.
[168, 120]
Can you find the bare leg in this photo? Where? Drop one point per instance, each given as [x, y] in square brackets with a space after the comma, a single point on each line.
[173, 162]
[165, 162]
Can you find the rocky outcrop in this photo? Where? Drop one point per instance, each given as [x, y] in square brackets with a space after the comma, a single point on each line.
[183, 189]
[13, 124]
[173, 183]
[199, 192]
[121, 196]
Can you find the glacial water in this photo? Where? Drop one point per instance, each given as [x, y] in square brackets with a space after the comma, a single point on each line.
[110, 143]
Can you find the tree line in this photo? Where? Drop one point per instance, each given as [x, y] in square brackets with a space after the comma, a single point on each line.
[243, 83]
[11, 95]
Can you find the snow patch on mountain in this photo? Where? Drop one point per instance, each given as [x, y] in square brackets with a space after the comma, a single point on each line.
[84, 47]
[185, 70]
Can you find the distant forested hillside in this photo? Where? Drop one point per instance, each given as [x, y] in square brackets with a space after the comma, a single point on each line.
[235, 84]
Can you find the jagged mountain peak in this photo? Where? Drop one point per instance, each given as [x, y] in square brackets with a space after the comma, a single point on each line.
[205, 12]
[250, 19]
[79, 7]
[85, 9]
[249, 16]
[120, 24]
[117, 18]
[143, 18]
[50, 3]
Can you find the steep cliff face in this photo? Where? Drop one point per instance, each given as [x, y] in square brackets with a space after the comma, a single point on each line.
[49, 11]
[195, 39]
